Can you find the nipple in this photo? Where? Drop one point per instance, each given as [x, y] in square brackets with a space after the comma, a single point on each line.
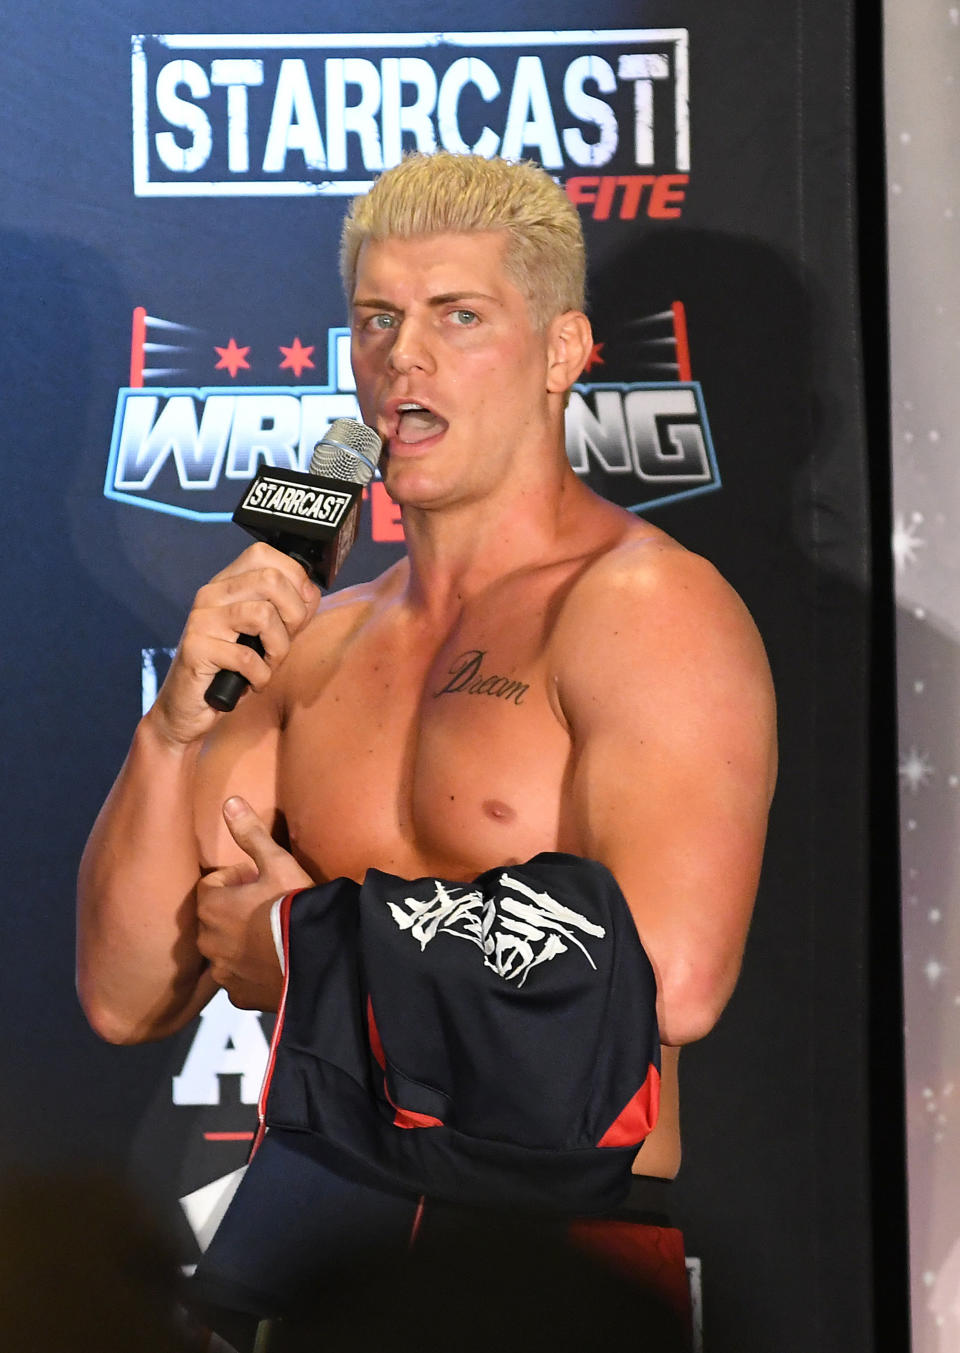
[499, 811]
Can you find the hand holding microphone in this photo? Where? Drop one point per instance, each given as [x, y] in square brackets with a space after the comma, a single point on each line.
[310, 517]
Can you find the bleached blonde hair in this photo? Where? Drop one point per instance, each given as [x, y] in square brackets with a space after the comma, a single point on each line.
[429, 194]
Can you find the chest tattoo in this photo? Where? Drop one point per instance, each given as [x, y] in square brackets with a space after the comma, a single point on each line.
[467, 677]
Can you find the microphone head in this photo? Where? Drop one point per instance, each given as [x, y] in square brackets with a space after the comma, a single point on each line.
[348, 450]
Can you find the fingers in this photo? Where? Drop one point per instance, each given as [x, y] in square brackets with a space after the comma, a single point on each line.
[284, 579]
[234, 936]
[263, 593]
[210, 636]
[262, 574]
[228, 876]
[262, 556]
[233, 910]
[250, 833]
[277, 870]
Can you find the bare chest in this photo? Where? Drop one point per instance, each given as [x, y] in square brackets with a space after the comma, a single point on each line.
[424, 758]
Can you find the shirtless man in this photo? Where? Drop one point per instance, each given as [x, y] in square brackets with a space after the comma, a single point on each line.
[621, 707]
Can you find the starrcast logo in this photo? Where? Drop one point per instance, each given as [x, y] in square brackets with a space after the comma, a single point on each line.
[279, 114]
[188, 449]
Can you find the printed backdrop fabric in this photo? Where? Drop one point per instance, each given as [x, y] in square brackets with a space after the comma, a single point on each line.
[172, 316]
[923, 103]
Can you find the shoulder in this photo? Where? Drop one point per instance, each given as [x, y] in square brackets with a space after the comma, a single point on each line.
[652, 624]
[350, 605]
[339, 617]
[647, 586]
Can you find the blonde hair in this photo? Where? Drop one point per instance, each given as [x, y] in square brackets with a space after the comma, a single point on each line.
[429, 194]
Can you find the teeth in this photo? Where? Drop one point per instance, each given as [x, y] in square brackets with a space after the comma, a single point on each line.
[408, 408]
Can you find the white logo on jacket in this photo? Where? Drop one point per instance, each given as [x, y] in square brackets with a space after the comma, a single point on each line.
[514, 933]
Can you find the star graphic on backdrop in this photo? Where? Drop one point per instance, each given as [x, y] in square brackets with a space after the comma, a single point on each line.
[232, 358]
[296, 357]
[905, 541]
[595, 359]
[915, 769]
[933, 971]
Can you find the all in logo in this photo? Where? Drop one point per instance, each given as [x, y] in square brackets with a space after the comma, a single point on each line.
[189, 449]
[281, 114]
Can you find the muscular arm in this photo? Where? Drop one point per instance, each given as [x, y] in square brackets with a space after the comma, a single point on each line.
[663, 679]
[140, 974]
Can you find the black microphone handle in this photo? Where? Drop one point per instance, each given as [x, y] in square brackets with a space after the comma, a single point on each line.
[227, 687]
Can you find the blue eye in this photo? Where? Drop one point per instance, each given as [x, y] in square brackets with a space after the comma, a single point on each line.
[465, 316]
[382, 321]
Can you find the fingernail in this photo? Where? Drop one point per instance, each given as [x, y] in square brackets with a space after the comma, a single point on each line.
[234, 806]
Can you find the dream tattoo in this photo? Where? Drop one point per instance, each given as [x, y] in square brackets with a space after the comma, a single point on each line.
[467, 677]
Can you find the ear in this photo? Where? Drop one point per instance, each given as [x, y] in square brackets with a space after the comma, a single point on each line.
[569, 344]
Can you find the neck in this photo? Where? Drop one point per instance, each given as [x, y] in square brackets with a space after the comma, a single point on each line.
[456, 551]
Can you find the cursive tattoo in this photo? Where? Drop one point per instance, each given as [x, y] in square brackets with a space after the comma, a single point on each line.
[466, 676]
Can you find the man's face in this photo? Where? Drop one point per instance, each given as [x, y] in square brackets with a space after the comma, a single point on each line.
[449, 368]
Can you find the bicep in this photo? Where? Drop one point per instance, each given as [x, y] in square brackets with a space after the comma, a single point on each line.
[674, 759]
[681, 827]
[239, 757]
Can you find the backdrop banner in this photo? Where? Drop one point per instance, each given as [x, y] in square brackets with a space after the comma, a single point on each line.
[923, 104]
[175, 178]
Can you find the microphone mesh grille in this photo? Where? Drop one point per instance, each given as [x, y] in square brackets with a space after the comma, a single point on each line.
[349, 450]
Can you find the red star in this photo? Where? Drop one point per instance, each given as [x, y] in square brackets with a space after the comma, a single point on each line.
[296, 357]
[232, 358]
[595, 359]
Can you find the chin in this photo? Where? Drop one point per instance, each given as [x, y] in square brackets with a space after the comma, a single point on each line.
[416, 490]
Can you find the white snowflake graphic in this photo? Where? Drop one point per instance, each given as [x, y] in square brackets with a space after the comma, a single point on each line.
[916, 772]
[906, 542]
[933, 971]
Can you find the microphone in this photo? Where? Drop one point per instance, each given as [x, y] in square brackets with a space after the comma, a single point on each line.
[311, 517]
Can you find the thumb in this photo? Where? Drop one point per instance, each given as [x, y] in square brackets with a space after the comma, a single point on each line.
[249, 832]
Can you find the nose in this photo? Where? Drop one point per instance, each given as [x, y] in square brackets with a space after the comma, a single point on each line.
[411, 349]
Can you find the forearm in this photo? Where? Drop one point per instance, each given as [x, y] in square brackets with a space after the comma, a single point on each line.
[139, 973]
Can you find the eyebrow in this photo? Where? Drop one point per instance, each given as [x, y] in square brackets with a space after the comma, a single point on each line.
[446, 298]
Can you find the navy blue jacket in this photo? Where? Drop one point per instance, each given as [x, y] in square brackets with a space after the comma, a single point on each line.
[491, 1043]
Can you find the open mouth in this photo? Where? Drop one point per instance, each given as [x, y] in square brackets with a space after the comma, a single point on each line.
[416, 424]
